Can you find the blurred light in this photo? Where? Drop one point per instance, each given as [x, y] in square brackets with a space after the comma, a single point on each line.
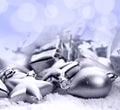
[104, 6]
[30, 38]
[27, 12]
[72, 4]
[3, 6]
[16, 3]
[39, 21]
[18, 25]
[109, 21]
[85, 1]
[64, 15]
[51, 11]
[88, 12]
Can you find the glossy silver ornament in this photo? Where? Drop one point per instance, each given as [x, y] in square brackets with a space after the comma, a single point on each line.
[43, 60]
[90, 82]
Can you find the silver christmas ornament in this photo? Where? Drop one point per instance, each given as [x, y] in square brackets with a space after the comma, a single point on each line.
[90, 82]
[67, 72]
[42, 60]
[47, 54]
[61, 71]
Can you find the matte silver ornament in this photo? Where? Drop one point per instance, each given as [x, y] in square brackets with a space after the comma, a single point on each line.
[90, 82]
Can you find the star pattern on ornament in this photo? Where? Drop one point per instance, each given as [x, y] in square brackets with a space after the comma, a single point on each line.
[28, 86]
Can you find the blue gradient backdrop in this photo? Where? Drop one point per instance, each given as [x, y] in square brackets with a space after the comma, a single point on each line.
[25, 20]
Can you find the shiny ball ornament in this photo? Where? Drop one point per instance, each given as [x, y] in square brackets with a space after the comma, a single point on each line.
[90, 82]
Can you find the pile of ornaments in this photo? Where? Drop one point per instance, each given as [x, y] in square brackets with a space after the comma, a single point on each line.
[63, 67]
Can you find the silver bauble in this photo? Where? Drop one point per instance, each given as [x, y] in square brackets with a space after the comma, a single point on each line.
[90, 82]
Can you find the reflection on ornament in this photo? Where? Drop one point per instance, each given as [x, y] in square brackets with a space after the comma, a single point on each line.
[27, 12]
[90, 82]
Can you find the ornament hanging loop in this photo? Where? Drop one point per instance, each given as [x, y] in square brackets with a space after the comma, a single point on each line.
[112, 76]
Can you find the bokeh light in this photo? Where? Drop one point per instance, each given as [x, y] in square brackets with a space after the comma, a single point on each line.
[51, 11]
[88, 12]
[109, 21]
[86, 1]
[104, 6]
[19, 25]
[88, 19]
[27, 12]
[72, 4]
[3, 6]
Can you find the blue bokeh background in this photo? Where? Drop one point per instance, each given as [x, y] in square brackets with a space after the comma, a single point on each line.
[22, 20]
